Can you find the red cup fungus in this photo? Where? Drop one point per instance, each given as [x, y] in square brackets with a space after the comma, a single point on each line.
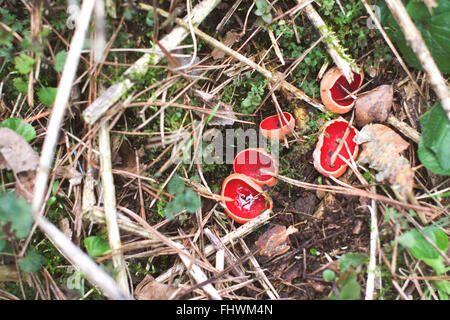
[248, 198]
[333, 95]
[275, 127]
[250, 161]
[332, 133]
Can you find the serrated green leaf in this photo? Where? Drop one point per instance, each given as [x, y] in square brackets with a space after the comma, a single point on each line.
[422, 250]
[176, 185]
[435, 139]
[20, 85]
[192, 201]
[23, 63]
[352, 259]
[328, 275]
[96, 245]
[60, 59]
[26, 130]
[32, 262]
[47, 95]
[17, 212]
[350, 288]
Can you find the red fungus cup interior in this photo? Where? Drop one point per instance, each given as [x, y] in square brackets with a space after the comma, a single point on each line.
[332, 136]
[247, 202]
[337, 93]
[250, 161]
[274, 123]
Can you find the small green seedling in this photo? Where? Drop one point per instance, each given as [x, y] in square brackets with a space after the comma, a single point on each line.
[185, 198]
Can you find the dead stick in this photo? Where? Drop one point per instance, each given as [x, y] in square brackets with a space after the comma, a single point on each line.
[341, 143]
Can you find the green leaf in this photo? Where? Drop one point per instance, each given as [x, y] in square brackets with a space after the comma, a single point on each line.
[352, 259]
[328, 275]
[47, 95]
[429, 160]
[434, 27]
[26, 130]
[96, 245]
[434, 145]
[2, 241]
[443, 287]
[17, 212]
[349, 288]
[20, 85]
[192, 201]
[23, 63]
[32, 262]
[60, 59]
[176, 185]
[175, 206]
[422, 250]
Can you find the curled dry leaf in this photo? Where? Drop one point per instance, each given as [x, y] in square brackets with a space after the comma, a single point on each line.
[381, 148]
[15, 152]
[275, 241]
[374, 105]
[150, 289]
[17, 155]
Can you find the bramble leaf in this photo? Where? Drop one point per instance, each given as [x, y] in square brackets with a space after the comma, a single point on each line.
[26, 130]
[47, 95]
[32, 262]
[23, 63]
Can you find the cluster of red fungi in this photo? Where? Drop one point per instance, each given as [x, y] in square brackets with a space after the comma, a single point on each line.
[243, 196]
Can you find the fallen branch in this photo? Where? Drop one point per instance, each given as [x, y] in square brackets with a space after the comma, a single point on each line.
[109, 202]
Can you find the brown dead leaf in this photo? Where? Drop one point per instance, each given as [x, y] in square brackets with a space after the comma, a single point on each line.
[70, 173]
[15, 152]
[150, 289]
[381, 148]
[230, 39]
[17, 155]
[275, 241]
[374, 105]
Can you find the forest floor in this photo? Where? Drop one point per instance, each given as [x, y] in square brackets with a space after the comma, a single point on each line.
[315, 244]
